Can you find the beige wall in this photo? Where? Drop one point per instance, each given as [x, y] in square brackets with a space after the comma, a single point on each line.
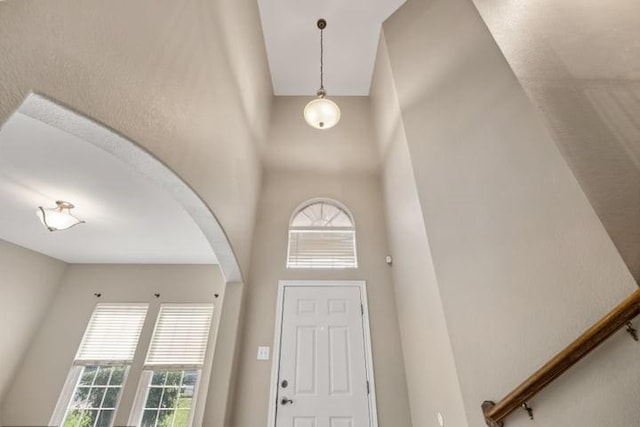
[161, 74]
[28, 285]
[345, 148]
[222, 383]
[523, 263]
[579, 63]
[38, 383]
[282, 193]
[247, 58]
[432, 379]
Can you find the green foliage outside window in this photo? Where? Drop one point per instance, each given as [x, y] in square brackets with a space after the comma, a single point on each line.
[169, 399]
[95, 397]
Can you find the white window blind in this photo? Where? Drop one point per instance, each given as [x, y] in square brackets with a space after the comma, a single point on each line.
[180, 336]
[322, 235]
[323, 248]
[112, 333]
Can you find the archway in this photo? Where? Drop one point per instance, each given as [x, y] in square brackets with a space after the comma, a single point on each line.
[145, 163]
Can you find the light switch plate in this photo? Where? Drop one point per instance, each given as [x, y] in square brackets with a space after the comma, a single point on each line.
[263, 353]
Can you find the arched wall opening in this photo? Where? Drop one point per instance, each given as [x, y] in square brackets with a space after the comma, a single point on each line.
[59, 310]
[47, 111]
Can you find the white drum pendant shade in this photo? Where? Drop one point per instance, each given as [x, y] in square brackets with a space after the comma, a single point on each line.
[322, 113]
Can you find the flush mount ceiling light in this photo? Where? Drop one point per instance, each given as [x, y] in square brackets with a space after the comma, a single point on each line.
[322, 113]
[58, 218]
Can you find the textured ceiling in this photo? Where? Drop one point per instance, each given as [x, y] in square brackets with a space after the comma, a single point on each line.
[128, 219]
[351, 41]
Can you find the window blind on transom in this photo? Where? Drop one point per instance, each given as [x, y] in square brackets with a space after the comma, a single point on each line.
[180, 336]
[112, 333]
[322, 248]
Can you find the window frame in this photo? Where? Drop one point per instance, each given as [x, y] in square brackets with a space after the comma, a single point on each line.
[144, 387]
[77, 371]
[72, 382]
[321, 229]
[144, 384]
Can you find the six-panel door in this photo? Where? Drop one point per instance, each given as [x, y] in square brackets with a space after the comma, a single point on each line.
[322, 376]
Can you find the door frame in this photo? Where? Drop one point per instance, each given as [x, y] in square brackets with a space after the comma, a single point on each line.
[275, 364]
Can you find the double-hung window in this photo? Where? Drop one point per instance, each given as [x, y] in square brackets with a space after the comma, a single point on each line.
[100, 368]
[169, 384]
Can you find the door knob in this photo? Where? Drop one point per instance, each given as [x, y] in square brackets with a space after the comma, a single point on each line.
[285, 400]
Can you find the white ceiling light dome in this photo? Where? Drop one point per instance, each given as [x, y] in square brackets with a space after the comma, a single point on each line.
[322, 113]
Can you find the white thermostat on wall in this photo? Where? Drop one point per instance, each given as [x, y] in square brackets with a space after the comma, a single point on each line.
[263, 353]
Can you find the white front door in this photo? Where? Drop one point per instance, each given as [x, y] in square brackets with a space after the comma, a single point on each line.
[322, 379]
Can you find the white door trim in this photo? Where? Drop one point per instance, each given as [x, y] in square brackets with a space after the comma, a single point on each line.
[275, 366]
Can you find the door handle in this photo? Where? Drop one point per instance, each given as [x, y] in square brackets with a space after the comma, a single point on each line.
[285, 400]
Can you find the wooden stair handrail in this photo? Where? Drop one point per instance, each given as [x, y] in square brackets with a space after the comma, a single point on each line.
[495, 413]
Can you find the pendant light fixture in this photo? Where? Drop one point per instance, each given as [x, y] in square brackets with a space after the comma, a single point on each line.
[322, 113]
[58, 218]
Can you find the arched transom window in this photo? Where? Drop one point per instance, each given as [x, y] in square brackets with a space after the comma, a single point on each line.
[322, 235]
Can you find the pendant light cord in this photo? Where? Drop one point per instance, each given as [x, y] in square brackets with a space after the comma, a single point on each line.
[322, 59]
